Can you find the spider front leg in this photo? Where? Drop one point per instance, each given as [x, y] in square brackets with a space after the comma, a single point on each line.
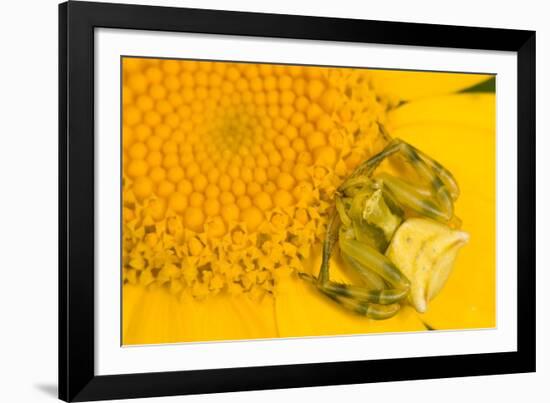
[435, 201]
[378, 303]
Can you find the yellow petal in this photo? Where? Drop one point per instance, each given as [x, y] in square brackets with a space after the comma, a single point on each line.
[412, 85]
[155, 318]
[131, 295]
[461, 110]
[160, 317]
[468, 298]
[227, 317]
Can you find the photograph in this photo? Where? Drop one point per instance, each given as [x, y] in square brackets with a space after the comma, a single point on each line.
[262, 200]
[246, 201]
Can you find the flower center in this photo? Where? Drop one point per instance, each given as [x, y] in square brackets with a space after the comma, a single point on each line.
[229, 168]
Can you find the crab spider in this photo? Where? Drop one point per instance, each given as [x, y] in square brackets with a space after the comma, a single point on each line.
[369, 210]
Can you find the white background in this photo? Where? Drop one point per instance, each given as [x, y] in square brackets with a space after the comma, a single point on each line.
[28, 198]
[111, 359]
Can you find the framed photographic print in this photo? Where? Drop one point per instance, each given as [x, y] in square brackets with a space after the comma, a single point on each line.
[259, 201]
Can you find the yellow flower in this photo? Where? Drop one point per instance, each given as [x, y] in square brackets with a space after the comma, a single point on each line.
[229, 174]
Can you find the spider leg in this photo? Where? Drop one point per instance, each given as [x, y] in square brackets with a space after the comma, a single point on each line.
[445, 175]
[365, 308]
[328, 244]
[435, 202]
[377, 303]
[369, 258]
[371, 280]
[359, 300]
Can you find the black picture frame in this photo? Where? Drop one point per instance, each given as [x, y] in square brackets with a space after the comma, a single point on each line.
[77, 378]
